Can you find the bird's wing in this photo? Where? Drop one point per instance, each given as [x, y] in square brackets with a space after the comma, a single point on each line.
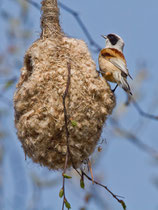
[119, 63]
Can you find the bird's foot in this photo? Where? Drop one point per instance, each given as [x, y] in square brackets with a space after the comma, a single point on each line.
[115, 88]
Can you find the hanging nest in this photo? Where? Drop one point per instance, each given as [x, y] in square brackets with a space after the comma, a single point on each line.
[38, 100]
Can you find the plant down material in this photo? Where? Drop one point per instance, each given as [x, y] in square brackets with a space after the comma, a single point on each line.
[38, 100]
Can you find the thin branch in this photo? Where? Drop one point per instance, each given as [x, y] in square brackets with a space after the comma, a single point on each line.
[139, 109]
[68, 154]
[64, 97]
[82, 25]
[134, 139]
[67, 132]
[142, 113]
[105, 187]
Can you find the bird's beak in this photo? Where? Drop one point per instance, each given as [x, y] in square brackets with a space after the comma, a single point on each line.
[105, 37]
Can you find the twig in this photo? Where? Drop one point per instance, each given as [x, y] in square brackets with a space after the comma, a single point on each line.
[105, 187]
[82, 25]
[67, 132]
[68, 154]
[139, 109]
[64, 97]
[142, 113]
[134, 139]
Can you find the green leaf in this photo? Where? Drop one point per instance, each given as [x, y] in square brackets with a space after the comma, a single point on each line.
[61, 193]
[123, 204]
[74, 123]
[82, 185]
[66, 176]
[9, 83]
[67, 204]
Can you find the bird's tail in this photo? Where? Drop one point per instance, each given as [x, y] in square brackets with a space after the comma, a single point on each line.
[122, 82]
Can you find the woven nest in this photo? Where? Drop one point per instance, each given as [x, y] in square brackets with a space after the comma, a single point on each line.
[38, 102]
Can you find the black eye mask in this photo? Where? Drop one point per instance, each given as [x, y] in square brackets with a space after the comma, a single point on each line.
[113, 39]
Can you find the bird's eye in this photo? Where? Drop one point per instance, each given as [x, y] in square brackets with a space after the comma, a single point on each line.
[113, 39]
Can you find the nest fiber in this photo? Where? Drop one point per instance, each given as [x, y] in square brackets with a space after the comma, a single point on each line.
[38, 100]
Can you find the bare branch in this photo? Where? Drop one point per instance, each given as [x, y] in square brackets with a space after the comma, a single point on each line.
[69, 154]
[142, 113]
[105, 187]
[134, 139]
[139, 109]
[82, 25]
[67, 132]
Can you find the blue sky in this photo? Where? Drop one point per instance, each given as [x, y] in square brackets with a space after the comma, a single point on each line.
[126, 170]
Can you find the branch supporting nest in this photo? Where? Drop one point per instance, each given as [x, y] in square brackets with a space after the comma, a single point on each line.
[67, 132]
[50, 19]
[68, 154]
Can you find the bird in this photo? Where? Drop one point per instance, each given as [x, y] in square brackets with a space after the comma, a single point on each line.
[112, 62]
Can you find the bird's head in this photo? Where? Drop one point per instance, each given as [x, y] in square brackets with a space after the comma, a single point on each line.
[114, 41]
